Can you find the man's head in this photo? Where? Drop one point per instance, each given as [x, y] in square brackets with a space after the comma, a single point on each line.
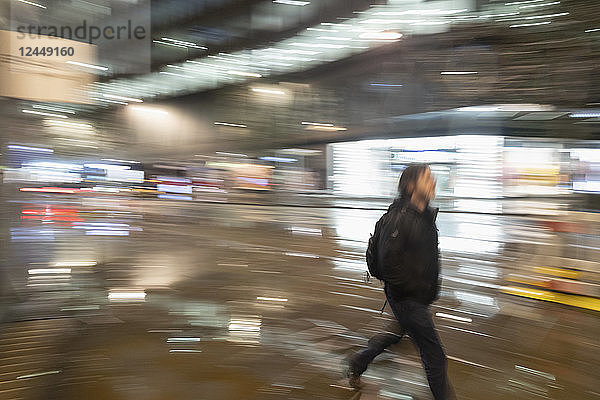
[416, 180]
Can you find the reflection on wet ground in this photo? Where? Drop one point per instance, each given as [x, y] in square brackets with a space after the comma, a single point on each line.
[131, 299]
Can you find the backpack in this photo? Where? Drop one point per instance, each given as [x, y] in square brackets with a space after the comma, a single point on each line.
[384, 243]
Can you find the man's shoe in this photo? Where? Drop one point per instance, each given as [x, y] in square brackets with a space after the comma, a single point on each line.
[351, 373]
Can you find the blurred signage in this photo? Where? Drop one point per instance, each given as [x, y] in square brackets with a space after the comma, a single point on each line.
[43, 68]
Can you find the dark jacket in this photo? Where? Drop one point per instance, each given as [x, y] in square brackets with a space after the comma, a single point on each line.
[411, 256]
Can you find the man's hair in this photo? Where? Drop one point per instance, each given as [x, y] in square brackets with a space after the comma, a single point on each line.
[408, 179]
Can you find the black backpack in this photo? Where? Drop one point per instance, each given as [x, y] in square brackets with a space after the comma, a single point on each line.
[386, 244]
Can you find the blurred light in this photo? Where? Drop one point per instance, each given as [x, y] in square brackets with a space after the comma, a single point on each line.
[535, 372]
[268, 91]
[63, 110]
[174, 197]
[279, 159]
[592, 30]
[243, 73]
[127, 296]
[112, 96]
[322, 30]
[98, 67]
[75, 264]
[300, 151]
[27, 148]
[306, 255]
[184, 351]
[454, 317]
[45, 114]
[31, 3]
[39, 271]
[292, 2]
[54, 165]
[474, 298]
[280, 299]
[385, 85]
[101, 232]
[508, 107]
[320, 45]
[541, 5]
[333, 38]
[107, 166]
[514, 3]
[148, 110]
[306, 231]
[316, 123]
[458, 73]
[222, 153]
[181, 43]
[39, 373]
[421, 12]
[229, 124]
[170, 44]
[68, 124]
[532, 24]
[544, 16]
[239, 324]
[174, 74]
[183, 339]
[109, 101]
[53, 190]
[123, 161]
[326, 128]
[585, 115]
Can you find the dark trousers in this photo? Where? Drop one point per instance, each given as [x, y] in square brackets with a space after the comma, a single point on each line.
[414, 319]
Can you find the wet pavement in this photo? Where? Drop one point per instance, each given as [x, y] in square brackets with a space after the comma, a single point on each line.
[117, 298]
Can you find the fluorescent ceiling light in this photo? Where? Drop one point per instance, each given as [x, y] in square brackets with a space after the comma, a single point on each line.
[99, 67]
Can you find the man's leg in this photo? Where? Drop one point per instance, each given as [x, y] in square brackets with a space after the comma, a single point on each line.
[416, 320]
[359, 362]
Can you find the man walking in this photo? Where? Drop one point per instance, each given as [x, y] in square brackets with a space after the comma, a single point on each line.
[404, 249]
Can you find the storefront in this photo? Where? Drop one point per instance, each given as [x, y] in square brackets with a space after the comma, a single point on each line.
[468, 166]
